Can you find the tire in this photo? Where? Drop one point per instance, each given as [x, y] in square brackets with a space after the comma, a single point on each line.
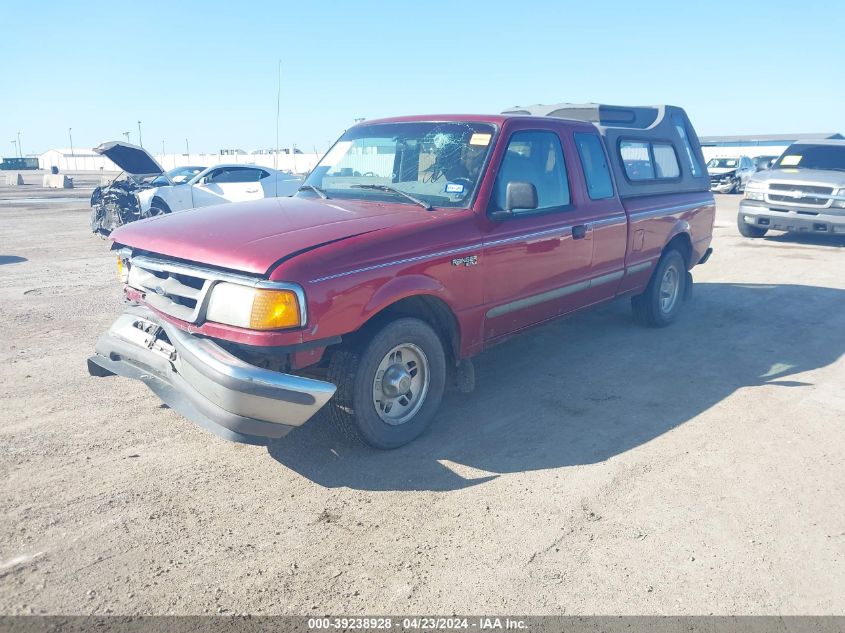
[654, 307]
[747, 230]
[735, 188]
[156, 208]
[364, 408]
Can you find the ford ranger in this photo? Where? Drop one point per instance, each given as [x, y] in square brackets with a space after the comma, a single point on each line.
[803, 192]
[415, 244]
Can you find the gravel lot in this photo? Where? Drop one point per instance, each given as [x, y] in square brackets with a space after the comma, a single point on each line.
[598, 468]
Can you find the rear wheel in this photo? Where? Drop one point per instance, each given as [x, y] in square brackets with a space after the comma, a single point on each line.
[747, 230]
[661, 302]
[389, 388]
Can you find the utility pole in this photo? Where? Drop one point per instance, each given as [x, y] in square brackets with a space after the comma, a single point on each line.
[140, 140]
[20, 148]
[126, 134]
[278, 109]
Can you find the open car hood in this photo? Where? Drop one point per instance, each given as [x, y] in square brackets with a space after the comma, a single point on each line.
[132, 159]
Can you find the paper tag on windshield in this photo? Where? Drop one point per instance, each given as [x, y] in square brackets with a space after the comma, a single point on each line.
[454, 187]
[480, 139]
[792, 159]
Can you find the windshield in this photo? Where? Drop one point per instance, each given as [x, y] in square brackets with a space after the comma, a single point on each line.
[830, 157]
[723, 163]
[438, 163]
[178, 175]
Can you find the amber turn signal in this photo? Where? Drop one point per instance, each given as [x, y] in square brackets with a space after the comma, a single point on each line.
[274, 309]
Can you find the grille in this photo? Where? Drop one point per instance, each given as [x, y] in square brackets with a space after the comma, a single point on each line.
[825, 191]
[800, 194]
[808, 200]
[175, 293]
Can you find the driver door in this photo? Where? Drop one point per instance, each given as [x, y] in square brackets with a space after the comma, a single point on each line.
[537, 262]
[228, 184]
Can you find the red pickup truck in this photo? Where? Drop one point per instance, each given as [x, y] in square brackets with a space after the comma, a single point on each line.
[415, 244]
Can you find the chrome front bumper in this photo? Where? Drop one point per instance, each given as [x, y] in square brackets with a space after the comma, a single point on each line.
[204, 382]
[795, 219]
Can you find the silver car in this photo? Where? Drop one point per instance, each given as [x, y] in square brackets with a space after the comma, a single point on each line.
[730, 174]
[803, 192]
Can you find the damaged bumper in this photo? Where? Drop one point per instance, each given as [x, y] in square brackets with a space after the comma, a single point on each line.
[204, 382]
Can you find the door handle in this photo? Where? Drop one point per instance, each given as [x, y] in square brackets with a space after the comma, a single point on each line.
[579, 231]
[251, 190]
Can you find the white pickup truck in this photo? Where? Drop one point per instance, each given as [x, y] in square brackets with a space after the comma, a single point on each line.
[803, 192]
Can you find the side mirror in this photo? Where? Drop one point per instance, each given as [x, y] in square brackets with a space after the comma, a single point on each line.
[518, 195]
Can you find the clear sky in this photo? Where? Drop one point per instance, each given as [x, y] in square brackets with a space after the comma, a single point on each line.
[207, 70]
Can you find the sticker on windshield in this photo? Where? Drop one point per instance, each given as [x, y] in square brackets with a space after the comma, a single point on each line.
[792, 159]
[480, 139]
[453, 187]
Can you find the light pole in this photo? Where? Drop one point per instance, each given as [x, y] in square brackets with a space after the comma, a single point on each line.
[140, 140]
[20, 148]
[72, 155]
[15, 143]
[126, 134]
[187, 149]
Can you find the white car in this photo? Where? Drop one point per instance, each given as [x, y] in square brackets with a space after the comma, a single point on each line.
[212, 185]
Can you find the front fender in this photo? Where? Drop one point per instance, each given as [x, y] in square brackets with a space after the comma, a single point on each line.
[145, 198]
[402, 287]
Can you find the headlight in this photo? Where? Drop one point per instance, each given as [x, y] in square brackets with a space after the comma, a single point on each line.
[755, 190]
[123, 256]
[841, 202]
[254, 308]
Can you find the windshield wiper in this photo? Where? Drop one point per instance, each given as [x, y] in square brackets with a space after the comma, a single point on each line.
[316, 190]
[425, 205]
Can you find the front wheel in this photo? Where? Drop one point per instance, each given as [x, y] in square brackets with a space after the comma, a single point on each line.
[661, 302]
[747, 230]
[389, 389]
[156, 208]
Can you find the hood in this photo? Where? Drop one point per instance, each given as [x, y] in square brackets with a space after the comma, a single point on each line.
[820, 177]
[253, 236]
[130, 158]
[720, 171]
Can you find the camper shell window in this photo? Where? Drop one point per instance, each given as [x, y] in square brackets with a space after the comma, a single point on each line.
[652, 150]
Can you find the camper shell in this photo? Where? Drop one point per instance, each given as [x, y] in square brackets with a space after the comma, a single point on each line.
[636, 138]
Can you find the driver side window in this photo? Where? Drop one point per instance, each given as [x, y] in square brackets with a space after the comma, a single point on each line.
[535, 157]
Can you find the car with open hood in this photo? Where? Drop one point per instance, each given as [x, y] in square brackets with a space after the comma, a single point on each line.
[144, 189]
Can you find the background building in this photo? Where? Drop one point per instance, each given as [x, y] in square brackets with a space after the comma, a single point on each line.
[86, 160]
[754, 145]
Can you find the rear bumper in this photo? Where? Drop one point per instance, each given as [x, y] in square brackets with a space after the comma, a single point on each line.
[204, 382]
[799, 220]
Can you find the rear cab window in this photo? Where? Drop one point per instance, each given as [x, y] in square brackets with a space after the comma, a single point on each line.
[594, 164]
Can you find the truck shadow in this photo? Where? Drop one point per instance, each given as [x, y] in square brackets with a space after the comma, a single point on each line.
[814, 239]
[582, 390]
